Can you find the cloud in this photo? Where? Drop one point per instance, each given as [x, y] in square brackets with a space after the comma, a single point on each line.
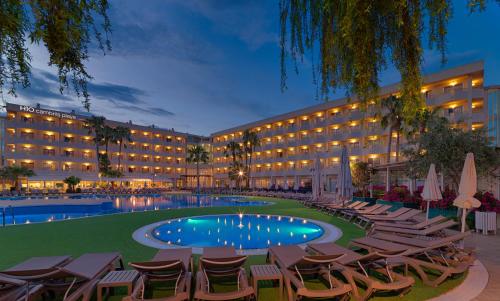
[45, 89]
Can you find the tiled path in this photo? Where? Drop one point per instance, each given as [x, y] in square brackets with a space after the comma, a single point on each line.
[488, 252]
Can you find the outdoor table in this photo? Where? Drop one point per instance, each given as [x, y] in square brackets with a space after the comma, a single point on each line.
[116, 279]
[266, 272]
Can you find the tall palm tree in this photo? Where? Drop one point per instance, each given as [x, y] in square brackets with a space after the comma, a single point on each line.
[250, 142]
[197, 154]
[233, 150]
[121, 135]
[15, 172]
[392, 118]
[96, 127]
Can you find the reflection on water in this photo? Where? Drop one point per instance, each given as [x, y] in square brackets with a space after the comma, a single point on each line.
[116, 204]
[238, 230]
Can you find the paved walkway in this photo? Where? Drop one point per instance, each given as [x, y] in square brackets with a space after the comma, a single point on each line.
[488, 252]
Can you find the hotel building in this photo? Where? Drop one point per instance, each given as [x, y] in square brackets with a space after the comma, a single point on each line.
[291, 142]
[57, 145]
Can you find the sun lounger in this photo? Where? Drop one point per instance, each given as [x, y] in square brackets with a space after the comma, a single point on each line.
[435, 228]
[171, 266]
[432, 264]
[374, 271]
[338, 209]
[295, 264]
[78, 278]
[413, 225]
[332, 206]
[221, 265]
[12, 289]
[22, 280]
[403, 215]
[366, 209]
[380, 209]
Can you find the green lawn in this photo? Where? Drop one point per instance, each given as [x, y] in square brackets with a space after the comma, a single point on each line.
[114, 233]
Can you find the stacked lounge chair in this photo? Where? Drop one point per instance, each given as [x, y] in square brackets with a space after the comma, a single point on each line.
[433, 260]
[373, 271]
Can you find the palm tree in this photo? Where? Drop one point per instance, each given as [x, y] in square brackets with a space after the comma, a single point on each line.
[422, 119]
[72, 181]
[121, 135]
[96, 127]
[250, 142]
[234, 151]
[15, 172]
[197, 154]
[392, 118]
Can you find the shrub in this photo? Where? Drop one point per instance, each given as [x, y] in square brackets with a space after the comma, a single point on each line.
[488, 202]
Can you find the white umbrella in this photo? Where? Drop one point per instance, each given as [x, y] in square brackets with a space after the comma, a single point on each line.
[316, 179]
[344, 179]
[285, 186]
[431, 192]
[467, 188]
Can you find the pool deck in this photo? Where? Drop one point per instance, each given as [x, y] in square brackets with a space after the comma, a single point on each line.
[488, 252]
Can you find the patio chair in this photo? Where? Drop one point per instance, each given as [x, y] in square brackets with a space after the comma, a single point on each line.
[412, 225]
[373, 271]
[432, 229]
[221, 265]
[334, 210]
[170, 266]
[295, 264]
[433, 264]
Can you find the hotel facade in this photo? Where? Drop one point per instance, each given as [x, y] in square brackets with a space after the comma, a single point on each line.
[58, 144]
[291, 142]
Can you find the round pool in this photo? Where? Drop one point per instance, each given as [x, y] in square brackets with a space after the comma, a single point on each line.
[243, 231]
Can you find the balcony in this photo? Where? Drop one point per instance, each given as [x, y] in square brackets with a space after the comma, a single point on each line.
[436, 98]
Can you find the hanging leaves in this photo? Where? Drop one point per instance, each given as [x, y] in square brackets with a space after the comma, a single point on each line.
[356, 38]
[65, 27]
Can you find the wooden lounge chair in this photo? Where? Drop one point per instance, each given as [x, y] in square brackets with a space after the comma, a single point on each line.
[12, 289]
[338, 209]
[380, 209]
[222, 265]
[435, 228]
[374, 271]
[432, 264]
[78, 279]
[22, 280]
[332, 206]
[403, 215]
[367, 209]
[171, 266]
[295, 263]
[412, 225]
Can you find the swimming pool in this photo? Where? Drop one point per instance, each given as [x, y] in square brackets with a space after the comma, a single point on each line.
[116, 204]
[242, 231]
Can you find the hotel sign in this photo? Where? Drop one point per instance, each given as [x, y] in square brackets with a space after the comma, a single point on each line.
[46, 112]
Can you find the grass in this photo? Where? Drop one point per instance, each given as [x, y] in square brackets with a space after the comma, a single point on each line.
[114, 233]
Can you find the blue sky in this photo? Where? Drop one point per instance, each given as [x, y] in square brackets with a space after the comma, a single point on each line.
[201, 66]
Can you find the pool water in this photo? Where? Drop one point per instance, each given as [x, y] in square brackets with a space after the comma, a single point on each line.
[116, 204]
[243, 231]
